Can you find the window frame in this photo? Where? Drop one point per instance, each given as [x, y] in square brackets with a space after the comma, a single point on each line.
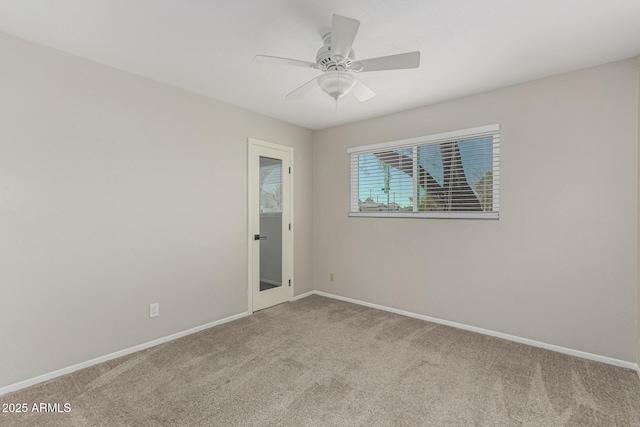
[414, 143]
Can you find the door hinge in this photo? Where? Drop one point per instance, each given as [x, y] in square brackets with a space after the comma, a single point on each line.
[289, 226]
[289, 170]
[289, 282]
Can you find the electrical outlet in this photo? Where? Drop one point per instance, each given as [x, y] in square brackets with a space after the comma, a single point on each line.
[331, 277]
[154, 309]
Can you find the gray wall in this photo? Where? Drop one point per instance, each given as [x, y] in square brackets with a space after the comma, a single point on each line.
[116, 192]
[558, 267]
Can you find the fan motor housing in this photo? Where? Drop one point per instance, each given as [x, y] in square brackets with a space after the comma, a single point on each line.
[328, 62]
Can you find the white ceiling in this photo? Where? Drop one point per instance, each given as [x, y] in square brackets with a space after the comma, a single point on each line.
[207, 46]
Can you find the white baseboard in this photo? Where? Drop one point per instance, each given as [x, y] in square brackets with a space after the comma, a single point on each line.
[126, 351]
[306, 294]
[559, 349]
[51, 375]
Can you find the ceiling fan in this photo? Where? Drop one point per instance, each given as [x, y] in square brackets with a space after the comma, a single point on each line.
[337, 61]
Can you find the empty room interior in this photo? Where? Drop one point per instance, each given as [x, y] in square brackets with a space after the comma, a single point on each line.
[292, 213]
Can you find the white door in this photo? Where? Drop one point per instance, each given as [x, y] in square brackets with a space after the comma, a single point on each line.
[270, 229]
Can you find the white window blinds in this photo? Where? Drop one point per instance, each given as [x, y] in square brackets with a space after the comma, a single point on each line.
[449, 175]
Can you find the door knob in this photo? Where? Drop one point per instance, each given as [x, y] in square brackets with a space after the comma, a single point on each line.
[259, 237]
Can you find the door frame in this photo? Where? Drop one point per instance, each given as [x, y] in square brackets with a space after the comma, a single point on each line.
[251, 143]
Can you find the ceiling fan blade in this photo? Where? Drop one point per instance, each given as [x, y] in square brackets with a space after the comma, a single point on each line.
[303, 90]
[392, 62]
[264, 59]
[362, 92]
[343, 32]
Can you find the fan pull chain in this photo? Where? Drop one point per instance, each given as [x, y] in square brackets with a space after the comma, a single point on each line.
[338, 90]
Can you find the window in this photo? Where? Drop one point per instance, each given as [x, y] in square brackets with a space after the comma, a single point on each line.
[270, 185]
[449, 175]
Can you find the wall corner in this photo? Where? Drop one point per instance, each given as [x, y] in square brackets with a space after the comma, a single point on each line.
[638, 215]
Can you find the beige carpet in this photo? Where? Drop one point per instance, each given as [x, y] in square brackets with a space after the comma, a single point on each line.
[321, 362]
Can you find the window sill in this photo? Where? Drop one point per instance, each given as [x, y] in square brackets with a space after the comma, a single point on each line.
[441, 215]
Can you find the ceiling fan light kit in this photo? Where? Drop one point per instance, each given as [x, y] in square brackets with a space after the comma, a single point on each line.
[336, 84]
[337, 61]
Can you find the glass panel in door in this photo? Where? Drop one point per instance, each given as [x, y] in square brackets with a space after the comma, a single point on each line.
[270, 223]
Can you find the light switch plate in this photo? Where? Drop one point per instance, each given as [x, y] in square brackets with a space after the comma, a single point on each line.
[154, 309]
